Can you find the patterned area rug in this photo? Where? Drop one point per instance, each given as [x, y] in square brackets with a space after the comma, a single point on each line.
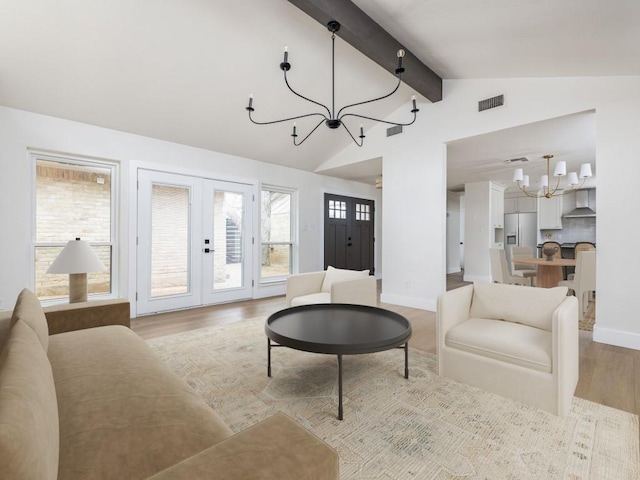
[426, 427]
[589, 318]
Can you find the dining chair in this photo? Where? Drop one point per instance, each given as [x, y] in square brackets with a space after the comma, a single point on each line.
[580, 247]
[520, 269]
[500, 271]
[584, 280]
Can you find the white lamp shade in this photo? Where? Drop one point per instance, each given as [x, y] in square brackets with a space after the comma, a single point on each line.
[573, 178]
[77, 257]
[517, 175]
[560, 170]
[525, 181]
[544, 181]
[585, 170]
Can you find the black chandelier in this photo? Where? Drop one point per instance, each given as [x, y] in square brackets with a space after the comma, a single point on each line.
[331, 119]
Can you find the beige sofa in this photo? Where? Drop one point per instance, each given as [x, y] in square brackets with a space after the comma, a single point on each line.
[518, 342]
[97, 403]
[333, 285]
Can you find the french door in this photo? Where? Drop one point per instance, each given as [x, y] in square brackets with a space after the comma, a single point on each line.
[349, 233]
[194, 241]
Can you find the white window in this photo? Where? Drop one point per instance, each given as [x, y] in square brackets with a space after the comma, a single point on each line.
[276, 213]
[73, 199]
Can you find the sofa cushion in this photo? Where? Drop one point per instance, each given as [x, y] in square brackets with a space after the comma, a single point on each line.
[29, 441]
[123, 412]
[513, 303]
[334, 275]
[29, 310]
[509, 342]
[311, 299]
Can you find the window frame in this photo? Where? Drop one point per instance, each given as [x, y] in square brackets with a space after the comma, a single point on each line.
[69, 159]
[293, 250]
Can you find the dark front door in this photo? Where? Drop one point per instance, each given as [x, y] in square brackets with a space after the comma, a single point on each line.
[348, 232]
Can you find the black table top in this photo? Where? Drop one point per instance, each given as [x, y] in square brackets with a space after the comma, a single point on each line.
[336, 328]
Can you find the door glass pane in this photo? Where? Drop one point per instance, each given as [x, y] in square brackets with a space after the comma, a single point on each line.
[337, 209]
[169, 240]
[227, 239]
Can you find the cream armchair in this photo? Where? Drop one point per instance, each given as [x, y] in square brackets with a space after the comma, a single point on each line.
[518, 342]
[332, 286]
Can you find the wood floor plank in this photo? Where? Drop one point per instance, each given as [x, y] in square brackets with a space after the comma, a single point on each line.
[612, 380]
[636, 381]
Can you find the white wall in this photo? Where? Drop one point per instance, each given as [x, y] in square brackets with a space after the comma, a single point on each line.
[21, 130]
[414, 165]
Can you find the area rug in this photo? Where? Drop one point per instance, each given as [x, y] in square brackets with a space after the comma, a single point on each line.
[589, 318]
[426, 427]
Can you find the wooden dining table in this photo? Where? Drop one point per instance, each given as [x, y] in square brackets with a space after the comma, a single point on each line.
[549, 272]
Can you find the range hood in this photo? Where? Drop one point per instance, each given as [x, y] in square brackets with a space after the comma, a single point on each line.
[582, 206]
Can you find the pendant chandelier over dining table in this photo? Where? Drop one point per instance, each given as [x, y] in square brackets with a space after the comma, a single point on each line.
[332, 119]
[575, 180]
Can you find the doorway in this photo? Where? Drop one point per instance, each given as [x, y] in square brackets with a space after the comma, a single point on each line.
[349, 233]
[194, 241]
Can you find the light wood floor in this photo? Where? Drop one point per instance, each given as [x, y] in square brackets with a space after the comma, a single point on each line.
[608, 375]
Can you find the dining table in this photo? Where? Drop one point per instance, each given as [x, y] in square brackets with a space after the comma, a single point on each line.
[549, 271]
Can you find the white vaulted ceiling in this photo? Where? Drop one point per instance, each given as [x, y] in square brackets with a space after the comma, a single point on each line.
[181, 70]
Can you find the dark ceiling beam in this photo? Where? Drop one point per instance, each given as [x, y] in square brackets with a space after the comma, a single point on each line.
[361, 32]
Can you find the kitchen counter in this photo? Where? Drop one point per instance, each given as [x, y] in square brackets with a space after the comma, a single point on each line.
[567, 245]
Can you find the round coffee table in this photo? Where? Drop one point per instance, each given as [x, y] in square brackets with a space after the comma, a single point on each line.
[338, 329]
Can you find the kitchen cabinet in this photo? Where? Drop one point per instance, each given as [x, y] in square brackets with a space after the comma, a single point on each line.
[520, 205]
[550, 213]
[497, 206]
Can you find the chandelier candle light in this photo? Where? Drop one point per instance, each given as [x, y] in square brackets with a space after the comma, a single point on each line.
[332, 119]
[560, 171]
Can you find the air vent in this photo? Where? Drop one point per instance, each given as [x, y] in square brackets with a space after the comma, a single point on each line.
[492, 102]
[394, 130]
[516, 160]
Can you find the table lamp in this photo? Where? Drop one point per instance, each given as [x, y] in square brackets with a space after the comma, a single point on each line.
[77, 259]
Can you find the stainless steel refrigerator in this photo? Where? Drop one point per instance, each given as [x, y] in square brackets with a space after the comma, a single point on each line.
[520, 230]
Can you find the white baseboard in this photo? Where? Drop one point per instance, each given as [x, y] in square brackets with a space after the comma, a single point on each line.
[453, 270]
[619, 338]
[477, 278]
[413, 302]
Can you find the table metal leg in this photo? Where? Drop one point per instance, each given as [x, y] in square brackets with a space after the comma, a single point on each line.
[268, 357]
[339, 387]
[406, 360]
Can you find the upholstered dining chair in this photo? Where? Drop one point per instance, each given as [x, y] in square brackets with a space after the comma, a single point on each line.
[584, 280]
[522, 270]
[580, 247]
[500, 271]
